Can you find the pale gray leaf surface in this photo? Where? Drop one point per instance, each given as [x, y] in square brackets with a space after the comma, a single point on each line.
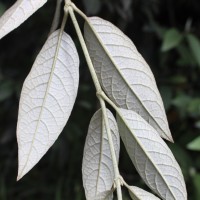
[140, 194]
[97, 168]
[125, 76]
[107, 195]
[17, 14]
[152, 158]
[47, 99]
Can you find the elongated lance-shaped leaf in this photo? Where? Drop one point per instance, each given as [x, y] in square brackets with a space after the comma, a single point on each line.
[47, 99]
[17, 14]
[140, 194]
[97, 168]
[152, 158]
[124, 74]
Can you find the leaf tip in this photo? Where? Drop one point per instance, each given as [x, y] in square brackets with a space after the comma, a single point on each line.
[21, 173]
[18, 177]
[1, 36]
[168, 138]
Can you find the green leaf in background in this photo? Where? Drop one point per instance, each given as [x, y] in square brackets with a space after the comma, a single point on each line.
[187, 105]
[2, 8]
[92, 7]
[58, 192]
[194, 107]
[181, 101]
[194, 44]
[196, 182]
[186, 56]
[166, 94]
[194, 145]
[172, 38]
[178, 79]
[197, 124]
[6, 89]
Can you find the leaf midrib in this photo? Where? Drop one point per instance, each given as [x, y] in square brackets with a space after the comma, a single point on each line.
[101, 153]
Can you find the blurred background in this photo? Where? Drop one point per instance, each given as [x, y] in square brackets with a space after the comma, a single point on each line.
[166, 33]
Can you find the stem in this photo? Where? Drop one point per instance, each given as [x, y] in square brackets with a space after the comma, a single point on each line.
[114, 159]
[60, 35]
[62, 26]
[102, 102]
[85, 51]
[80, 12]
[124, 183]
[56, 17]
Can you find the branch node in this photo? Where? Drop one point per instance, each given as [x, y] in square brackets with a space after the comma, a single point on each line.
[99, 94]
[68, 3]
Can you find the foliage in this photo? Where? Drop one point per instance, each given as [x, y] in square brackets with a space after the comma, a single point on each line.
[177, 74]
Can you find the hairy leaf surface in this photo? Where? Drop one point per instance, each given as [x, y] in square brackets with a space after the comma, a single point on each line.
[140, 194]
[97, 169]
[124, 74]
[152, 158]
[47, 99]
[17, 14]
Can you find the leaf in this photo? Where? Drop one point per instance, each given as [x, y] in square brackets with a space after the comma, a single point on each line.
[195, 144]
[194, 107]
[140, 194]
[97, 168]
[151, 156]
[47, 99]
[107, 195]
[178, 79]
[124, 74]
[181, 102]
[194, 44]
[172, 39]
[186, 56]
[17, 14]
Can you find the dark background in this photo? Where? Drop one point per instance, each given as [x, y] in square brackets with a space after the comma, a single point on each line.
[166, 33]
